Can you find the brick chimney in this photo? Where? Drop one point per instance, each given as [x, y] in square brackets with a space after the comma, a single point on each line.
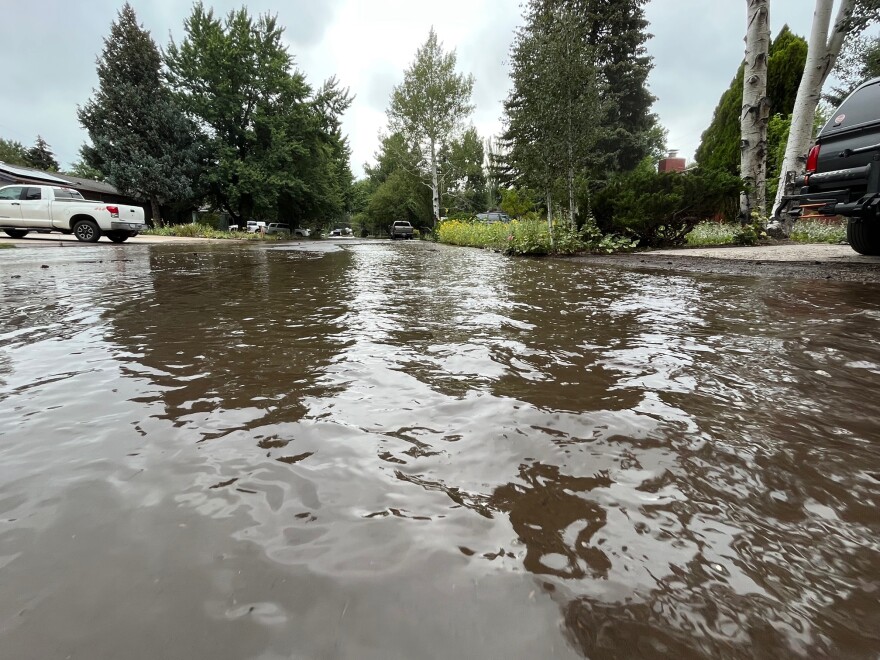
[672, 163]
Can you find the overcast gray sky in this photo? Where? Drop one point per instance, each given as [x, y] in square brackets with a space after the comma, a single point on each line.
[49, 49]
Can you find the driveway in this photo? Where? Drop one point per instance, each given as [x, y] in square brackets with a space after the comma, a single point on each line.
[788, 260]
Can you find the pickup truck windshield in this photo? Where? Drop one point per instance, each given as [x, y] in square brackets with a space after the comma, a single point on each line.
[67, 193]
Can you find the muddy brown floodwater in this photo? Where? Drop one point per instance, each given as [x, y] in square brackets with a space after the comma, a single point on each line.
[403, 450]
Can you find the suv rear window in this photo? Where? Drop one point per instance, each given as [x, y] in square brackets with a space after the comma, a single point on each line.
[860, 108]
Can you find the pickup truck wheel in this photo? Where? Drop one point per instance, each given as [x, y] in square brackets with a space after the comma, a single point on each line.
[118, 236]
[864, 235]
[15, 233]
[87, 231]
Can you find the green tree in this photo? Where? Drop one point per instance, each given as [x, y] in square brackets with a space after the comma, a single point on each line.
[720, 144]
[12, 152]
[429, 108]
[464, 181]
[553, 114]
[40, 156]
[618, 33]
[517, 201]
[859, 61]
[395, 187]
[276, 149]
[140, 137]
[83, 170]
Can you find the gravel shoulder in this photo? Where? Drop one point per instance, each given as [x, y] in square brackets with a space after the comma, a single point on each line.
[788, 260]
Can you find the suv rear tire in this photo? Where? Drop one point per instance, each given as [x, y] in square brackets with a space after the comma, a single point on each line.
[864, 235]
[15, 233]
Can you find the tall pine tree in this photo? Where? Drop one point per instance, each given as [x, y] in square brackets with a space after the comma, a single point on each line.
[140, 138]
[40, 156]
[618, 31]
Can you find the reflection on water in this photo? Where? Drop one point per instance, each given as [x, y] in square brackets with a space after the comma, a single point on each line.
[398, 451]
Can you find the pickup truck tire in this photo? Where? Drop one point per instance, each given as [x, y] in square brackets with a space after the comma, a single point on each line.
[118, 236]
[864, 235]
[16, 233]
[87, 231]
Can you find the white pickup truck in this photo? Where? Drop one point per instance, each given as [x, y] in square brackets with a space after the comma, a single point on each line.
[25, 208]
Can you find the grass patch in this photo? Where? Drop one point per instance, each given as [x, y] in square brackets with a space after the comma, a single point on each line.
[707, 234]
[195, 230]
[817, 231]
[529, 236]
[6, 245]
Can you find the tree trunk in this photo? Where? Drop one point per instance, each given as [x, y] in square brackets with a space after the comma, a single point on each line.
[822, 53]
[550, 217]
[755, 111]
[435, 184]
[156, 212]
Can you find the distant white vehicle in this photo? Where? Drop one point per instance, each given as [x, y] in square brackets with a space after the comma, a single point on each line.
[253, 226]
[24, 209]
[277, 228]
[302, 232]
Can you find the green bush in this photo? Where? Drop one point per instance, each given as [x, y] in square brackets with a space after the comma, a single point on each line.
[530, 235]
[660, 209]
[211, 219]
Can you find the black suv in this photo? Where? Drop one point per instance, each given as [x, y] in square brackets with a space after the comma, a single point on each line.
[843, 170]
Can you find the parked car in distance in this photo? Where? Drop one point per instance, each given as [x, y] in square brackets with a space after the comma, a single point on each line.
[27, 208]
[277, 228]
[843, 170]
[493, 216]
[401, 229]
[253, 226]
[302, 232]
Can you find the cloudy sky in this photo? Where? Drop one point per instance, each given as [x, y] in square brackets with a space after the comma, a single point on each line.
[49, 49]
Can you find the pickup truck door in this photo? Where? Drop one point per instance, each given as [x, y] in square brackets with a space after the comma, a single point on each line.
[35, 208]
[10, 206]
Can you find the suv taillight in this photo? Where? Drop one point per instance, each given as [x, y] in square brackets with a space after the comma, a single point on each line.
[813, 160]
[114, 211]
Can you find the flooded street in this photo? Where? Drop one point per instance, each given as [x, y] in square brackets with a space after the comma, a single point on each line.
[404, 450]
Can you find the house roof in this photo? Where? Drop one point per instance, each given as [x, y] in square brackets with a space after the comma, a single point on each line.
[31, 175]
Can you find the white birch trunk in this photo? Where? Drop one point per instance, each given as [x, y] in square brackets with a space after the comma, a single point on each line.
[755, 111]
[550, 217]
[821, 55]
[435, 184]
